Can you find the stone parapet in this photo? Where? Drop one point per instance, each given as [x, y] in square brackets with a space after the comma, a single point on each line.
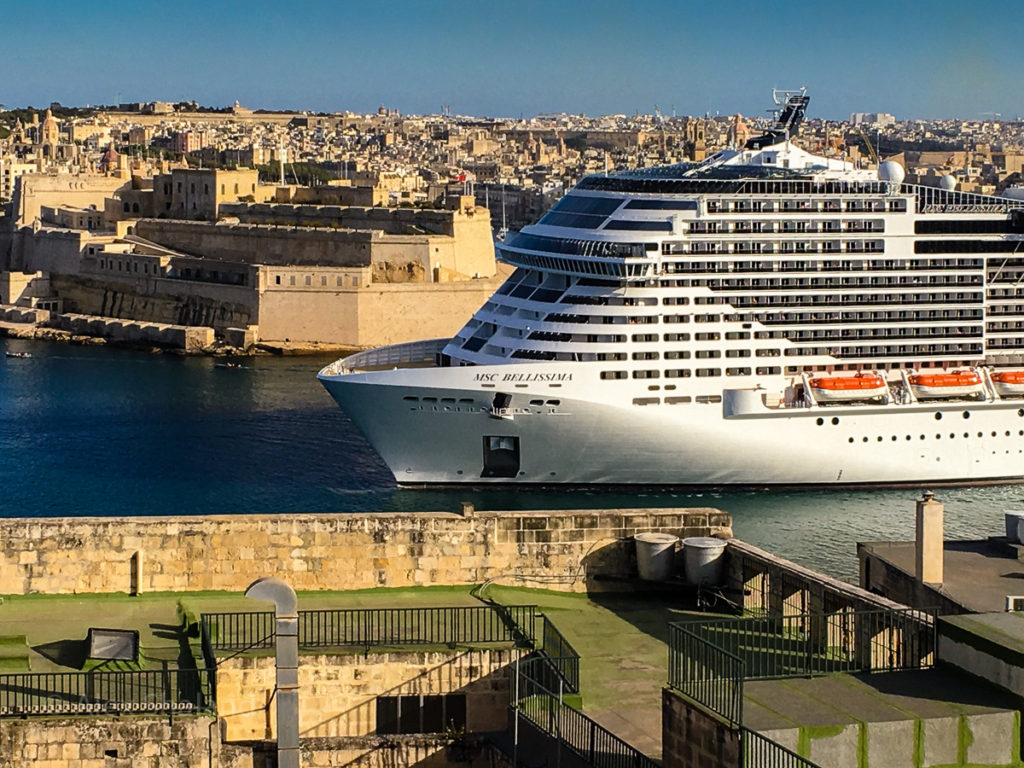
[565, 550]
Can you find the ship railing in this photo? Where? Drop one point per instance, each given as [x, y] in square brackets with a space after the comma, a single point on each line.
[410, 354]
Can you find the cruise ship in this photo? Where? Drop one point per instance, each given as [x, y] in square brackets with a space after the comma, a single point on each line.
[766, 317]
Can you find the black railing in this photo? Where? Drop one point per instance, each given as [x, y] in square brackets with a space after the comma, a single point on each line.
[823, 643]
[171, 691]
[709, 675]
[370, 627]
[761, 752]
[561, 654]
[709, 659]
[546, 709]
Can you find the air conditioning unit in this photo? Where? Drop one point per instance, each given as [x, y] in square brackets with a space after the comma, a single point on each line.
[1015, 602]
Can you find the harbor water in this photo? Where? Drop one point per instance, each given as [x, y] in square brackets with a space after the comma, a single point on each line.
[95, 431]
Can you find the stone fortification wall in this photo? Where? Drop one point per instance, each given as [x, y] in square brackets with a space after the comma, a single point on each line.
[392, 221]
[370, 316]
[254, 244]
[566, 550]
[159, 300]
[339, 692]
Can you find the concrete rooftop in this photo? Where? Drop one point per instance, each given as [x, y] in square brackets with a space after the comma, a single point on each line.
[976, 574]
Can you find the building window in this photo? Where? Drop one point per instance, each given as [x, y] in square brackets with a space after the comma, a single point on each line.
[236, 189]
[291, 280]
[277, 279]
[206, 189]
[222, 189]
[323, 280]
[309, 280]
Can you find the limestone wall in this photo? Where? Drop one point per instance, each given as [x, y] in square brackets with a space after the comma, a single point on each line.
[339, 692]
[568, 550]
[195, 742]
[131, 742]
[692, 738]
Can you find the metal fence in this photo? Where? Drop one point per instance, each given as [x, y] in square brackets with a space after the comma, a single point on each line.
[370, 627]
[562, 655]
[708, 674]
[762, 752]
[824, 643]
[709, 659]
[171, 691]
[572, 729]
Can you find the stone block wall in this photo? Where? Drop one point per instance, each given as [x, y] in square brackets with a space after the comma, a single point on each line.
[567, 550]
[131, 742]
[339, 692]
[692, 738]
[195, 742]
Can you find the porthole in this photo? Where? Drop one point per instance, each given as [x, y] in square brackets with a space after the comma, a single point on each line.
[967, 414]
[909, 437]
[922, 437]
[981, 434]
[879, 438]
[993, 434]
[820, 421]
[835, 420]
[1007, 433]
[938, 436]
[1020, 411]
[938, 417]
[894, 438]
[851, 439]
[864, 439]
[967, 434]
[952, 435]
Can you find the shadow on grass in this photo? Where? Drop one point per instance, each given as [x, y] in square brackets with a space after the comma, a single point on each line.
[178, 634]
[65, 653]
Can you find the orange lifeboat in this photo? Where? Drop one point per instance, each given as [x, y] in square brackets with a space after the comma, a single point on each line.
[1009, 383]
[942, 385]
[845, 389]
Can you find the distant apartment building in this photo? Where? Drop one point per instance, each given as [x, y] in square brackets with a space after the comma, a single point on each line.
[197, 193]
[10, 170]
[188, 141]
[880, 119]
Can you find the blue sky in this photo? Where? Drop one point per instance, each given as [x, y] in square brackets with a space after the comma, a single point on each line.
[913, 59]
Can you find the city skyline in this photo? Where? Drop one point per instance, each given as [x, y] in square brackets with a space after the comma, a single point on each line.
[531, 58]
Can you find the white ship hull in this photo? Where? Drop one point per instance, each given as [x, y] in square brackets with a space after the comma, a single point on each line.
[737, 442]
[667, 326]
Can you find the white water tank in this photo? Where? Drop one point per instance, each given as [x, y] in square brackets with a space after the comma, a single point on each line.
[1014, 518]
[655, 555]
[704, 560]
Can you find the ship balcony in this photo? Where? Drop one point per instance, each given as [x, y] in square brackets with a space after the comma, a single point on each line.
[413, 354]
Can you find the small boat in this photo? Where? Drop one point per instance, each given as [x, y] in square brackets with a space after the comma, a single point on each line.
[845, 389]
[929, 386]
[18, 354]
[1009, 383]
[228, 364]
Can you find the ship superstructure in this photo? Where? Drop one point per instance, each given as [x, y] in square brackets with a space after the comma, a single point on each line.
[764, 317]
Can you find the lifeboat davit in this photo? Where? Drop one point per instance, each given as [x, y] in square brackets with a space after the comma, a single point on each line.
[846, 389]
[1009, 383]
[929, 386]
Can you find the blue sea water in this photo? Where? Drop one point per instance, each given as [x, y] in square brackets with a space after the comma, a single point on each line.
[95, 431]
